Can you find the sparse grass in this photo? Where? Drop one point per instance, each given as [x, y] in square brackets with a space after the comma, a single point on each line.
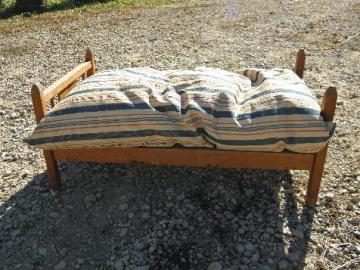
[58, 11]
[9, 9]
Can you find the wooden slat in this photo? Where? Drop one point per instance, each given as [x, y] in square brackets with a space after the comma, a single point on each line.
[52, 102]
[190, 157]
[66, 80]
[66, 91]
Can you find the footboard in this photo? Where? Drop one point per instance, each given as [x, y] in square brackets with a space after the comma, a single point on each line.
[43, 100]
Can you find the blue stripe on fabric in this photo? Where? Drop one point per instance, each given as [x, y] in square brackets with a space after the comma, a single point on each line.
[114, 135]
[110, 89]
[159, 121]
[171, 133]
[174, 108]
[269, 141]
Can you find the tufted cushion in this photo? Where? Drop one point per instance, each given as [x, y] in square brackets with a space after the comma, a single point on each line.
[260, 110]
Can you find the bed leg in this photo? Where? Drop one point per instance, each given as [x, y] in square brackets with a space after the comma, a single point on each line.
[52, 170]
[39, 103]
[316, 173]
[328, 106]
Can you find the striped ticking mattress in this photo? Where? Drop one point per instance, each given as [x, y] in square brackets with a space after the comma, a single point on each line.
[257, 110]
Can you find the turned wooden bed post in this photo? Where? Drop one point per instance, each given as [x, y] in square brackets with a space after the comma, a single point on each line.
[60, 89]
[328, 106]
[39, 103]
[300, 63]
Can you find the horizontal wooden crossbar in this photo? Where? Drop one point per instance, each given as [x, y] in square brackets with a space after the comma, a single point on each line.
[190, 157]
[66, 80]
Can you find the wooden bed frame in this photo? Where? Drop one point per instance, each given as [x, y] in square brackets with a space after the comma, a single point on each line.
[44, 100]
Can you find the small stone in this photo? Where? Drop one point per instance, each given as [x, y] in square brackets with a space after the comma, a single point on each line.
[240, 248]
[54, 214]
[294, 257]
[298, 234]
[350, 207]
[249, 193]
[139, 245]
[145, 215]
[90, 198]
[329, 196]
[181, 197]
[42, 251]
[63, 251]
[228, 215]
[143, 267]
[214, 266]
[152, 248]
[119, 265]
[283, 264]
[123, 206]
[250, 247]
[15, 232]
[10, 210]
[80, 261]
[248, 253]
[145, 207]
[61, 265]
[354, 221]
[255, 258]
[123, 232]
[54, 193]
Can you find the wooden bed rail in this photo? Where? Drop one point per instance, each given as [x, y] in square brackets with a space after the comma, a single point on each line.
[61, 87]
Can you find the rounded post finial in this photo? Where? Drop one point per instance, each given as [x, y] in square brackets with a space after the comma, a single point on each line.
[328, 104]
[89, 57]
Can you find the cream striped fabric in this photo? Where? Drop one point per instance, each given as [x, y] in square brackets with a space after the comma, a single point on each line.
[260, 110]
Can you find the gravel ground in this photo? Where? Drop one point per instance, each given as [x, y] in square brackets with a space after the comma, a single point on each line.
[143, 217]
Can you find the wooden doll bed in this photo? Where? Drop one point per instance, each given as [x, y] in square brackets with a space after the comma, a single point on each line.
[44, 100]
